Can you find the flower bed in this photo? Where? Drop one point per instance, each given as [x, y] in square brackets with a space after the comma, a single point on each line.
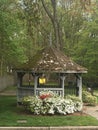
[50, 103]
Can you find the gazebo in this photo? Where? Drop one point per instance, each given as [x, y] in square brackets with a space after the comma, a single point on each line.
[48, 61]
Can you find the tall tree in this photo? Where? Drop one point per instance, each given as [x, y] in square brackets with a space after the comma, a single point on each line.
[11, 52]
[88, 45]
[54, 19]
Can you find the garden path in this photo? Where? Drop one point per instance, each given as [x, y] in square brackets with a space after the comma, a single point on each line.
[91, 110]
[8, 93]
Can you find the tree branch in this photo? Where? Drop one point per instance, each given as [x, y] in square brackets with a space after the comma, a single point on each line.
[54, 8]
[47, 11]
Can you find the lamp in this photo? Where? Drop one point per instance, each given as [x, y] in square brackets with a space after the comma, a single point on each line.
[42, 80]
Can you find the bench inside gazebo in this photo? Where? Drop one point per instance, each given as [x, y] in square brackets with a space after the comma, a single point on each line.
[48, 70]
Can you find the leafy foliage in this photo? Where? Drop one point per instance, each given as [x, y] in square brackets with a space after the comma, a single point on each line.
[25, 27]
[89, 99]
[86, 50]
[11, 49]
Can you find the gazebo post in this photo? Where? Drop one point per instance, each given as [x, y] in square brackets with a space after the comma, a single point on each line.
[19, 85]
[20, 78]
[79, 85]
[35, 83]
[62, 83]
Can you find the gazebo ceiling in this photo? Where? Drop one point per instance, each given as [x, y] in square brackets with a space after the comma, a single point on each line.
[52, 60]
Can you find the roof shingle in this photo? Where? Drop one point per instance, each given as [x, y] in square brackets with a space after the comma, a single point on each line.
[52, 60]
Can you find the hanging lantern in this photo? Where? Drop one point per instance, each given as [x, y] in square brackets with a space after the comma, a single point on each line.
[42, 80]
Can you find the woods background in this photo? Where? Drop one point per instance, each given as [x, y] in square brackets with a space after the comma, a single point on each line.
[27, 26]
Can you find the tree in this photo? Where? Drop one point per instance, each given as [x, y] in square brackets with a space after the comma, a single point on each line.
[11, 52]
[88, 45]
[54, 19]
[26, 26]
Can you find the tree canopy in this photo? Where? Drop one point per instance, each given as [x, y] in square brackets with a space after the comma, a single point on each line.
[69, 25]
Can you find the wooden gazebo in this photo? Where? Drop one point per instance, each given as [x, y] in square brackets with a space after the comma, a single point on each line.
[46, 61]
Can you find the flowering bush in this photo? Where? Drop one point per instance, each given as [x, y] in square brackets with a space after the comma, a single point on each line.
[49, 103]
[46, 94]
[77, 102]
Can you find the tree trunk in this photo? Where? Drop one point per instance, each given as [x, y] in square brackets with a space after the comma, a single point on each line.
[54, 21]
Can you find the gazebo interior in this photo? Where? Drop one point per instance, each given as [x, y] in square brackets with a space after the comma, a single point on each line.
[49, 69]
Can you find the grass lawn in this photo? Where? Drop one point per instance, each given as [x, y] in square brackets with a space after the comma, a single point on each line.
[11, 115]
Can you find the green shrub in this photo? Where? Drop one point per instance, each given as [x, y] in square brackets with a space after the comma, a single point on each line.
[26, 101]
[88, 98]
[73, 98]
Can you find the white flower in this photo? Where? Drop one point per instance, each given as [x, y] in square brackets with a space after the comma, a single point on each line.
[51, 110]
[53, 104]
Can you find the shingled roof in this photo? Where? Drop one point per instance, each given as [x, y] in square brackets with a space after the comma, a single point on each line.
[52, 60]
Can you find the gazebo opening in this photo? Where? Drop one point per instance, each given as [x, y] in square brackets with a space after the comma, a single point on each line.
[49, 80]
[28, 80]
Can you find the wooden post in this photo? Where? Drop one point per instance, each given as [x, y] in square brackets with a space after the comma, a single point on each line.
[62, 85]
[35, 84]
[79, 85]
[19, 84]
[18, 80]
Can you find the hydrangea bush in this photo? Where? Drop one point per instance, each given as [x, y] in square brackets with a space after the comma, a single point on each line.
[50, 103]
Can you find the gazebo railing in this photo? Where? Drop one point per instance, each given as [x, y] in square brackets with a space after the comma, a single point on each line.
[24, 91]
[31, 91]
[58, 91]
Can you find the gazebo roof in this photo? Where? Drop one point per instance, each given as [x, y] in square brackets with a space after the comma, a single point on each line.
[51, 60]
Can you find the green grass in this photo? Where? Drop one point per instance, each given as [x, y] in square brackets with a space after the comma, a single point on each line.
[10, 115]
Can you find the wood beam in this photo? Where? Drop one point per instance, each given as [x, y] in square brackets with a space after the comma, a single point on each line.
[79, 85]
